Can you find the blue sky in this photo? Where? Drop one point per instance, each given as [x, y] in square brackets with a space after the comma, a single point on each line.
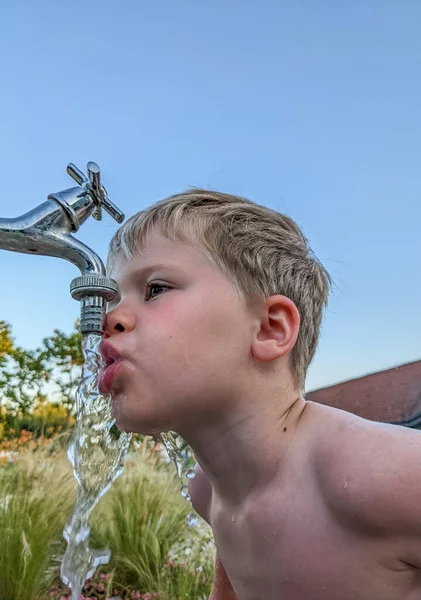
[311, 108]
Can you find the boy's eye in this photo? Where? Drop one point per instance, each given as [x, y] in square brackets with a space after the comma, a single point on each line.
[151, 287]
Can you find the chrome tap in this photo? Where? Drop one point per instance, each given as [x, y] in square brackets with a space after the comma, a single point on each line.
[47, 230]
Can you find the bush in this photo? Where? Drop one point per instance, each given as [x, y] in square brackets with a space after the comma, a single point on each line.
[143, 522]
[142, 519]
[35, 498]
[46, 420]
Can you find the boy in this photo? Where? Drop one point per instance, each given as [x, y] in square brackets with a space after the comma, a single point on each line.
[218, 318]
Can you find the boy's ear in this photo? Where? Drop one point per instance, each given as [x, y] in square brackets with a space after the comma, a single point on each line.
[277, 330]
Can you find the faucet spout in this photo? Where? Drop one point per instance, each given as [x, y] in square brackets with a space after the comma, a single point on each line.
[47, 230]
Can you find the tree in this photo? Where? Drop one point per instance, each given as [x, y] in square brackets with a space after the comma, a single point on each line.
[63, 354]
[28, 375]
[23, 373]
[6, 341]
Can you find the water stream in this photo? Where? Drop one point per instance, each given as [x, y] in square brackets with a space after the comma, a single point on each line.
[97, 455]
[184, 473]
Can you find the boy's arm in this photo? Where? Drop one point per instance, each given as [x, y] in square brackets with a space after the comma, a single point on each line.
[221, 588]
[200, 490]
[376, 483]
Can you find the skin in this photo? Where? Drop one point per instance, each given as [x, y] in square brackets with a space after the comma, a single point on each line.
[305, 501]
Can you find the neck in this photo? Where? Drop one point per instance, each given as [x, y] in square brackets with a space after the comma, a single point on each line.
[243, 450]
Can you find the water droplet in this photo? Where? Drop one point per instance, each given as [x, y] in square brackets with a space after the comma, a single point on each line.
[192, 519]
[184, 492]
[233, 518]
[191, 474]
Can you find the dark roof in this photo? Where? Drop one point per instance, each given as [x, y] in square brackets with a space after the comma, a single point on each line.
[390, 396]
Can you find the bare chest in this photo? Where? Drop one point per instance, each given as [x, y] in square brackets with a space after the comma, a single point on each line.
[302, 553]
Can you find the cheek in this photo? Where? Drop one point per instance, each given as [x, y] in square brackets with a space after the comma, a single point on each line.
[208, 339]
[178, 341]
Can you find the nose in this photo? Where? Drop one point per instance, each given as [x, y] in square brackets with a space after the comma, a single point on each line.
[118, 320]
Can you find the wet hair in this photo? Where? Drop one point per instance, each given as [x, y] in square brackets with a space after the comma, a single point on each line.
[261, 251]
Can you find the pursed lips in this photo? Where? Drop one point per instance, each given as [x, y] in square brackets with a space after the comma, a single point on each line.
[111, 363]
[109, 353]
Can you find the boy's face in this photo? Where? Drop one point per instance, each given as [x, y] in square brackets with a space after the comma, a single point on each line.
[183, 336]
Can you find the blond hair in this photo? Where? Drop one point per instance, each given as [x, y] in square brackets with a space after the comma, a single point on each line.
[261, 251]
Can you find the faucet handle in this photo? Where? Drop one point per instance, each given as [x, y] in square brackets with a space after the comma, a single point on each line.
[94, 177]
[96, 190]
[77, 174]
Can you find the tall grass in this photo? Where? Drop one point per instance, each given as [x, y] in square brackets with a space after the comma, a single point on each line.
[36, 496]
[142, 519]
[143, 522]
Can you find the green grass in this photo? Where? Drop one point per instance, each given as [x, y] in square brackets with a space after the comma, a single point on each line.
[143, 522]
[142, 519]
[35, 498]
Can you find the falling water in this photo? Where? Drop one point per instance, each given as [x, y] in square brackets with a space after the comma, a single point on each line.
[183, 471]
[97, 452]
[97, 456]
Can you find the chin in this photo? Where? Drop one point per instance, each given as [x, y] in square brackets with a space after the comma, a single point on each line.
[140, 415]
[135, 424]
[153, 428]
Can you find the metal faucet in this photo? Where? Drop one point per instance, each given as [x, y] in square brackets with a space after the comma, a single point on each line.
[47, 230]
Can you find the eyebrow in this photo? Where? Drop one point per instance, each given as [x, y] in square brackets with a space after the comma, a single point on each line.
[148, 269]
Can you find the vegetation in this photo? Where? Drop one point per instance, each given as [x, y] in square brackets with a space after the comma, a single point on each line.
[142, 518]
[28, 376]
[35, 497]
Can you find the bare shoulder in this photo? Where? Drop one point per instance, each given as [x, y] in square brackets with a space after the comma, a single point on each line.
[370, 473]
[200, 490]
